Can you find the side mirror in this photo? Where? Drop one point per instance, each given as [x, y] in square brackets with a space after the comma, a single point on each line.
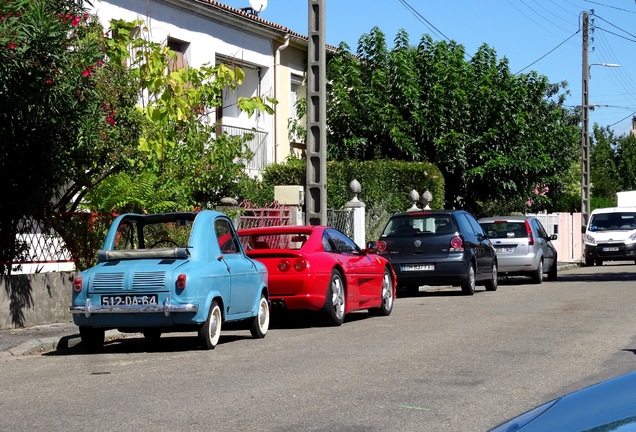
[372, 247]
[583, 229]
[554, 237]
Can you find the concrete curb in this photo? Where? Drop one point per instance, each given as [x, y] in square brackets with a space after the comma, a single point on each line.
[55, 343]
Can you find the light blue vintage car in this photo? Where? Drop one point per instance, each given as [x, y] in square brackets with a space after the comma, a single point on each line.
[169, 272]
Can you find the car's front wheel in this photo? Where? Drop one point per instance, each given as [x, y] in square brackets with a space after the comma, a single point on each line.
[491, 284]
[334, 309]
[260, 323]
[468, 285]
[552, 273]
[92, 338]
[387, 296]
[537, 275]
[210, 332]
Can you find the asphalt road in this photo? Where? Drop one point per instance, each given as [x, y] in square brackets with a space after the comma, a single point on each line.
[441, 362]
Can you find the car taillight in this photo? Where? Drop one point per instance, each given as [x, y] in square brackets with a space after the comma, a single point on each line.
[77, 284]
[381, 246]
[181, 281]
[457, 244]
[300, 264]
[530, 236]
[283, 265]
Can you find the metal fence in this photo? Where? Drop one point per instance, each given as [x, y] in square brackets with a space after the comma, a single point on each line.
[341, 220]
[257, 145]
[253, 217]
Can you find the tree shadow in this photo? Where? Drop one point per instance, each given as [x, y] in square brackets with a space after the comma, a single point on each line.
[20, 293]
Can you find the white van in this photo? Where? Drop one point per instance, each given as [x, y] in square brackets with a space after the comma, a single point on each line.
[610, 235]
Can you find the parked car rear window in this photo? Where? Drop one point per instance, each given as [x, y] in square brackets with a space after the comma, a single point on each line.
[421, 224]
[505, 229]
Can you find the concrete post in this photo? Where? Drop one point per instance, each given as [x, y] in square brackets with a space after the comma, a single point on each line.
[358, 209]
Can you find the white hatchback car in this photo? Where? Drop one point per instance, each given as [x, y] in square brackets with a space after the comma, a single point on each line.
[523, 246]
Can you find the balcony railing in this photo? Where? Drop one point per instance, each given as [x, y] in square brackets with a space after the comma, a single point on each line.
[258, 145]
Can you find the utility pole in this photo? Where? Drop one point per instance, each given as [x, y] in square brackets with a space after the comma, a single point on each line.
[316, 171]
[585, 120]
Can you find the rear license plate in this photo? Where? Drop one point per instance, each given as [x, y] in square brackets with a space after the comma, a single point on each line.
[610, 249]
[418, 267]
[504, 250]
[129, 300]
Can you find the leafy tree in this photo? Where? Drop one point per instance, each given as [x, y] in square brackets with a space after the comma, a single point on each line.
[494, 135]
[183, 162]
[626, 155]
[70, 122]
[604, 177]
[56, 112]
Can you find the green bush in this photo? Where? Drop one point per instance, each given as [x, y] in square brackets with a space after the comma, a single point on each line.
[385, 183]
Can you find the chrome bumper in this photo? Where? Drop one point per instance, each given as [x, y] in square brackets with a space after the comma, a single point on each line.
[88, 308]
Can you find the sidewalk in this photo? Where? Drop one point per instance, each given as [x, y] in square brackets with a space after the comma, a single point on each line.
[61, 336]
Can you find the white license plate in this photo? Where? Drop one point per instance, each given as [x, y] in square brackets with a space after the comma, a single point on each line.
[418, 267]
[504, 250]
[129, 300]
[610, 249]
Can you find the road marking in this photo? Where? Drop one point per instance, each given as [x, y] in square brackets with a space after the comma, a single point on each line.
[414, 408]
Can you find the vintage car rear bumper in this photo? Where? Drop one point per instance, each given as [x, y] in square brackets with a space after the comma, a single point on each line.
[88, 308]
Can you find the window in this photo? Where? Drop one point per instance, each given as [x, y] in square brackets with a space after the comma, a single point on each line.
[296, 111]
[180, 48]
[228, 242]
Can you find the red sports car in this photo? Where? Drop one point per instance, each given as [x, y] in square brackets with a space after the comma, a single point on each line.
[319, 268]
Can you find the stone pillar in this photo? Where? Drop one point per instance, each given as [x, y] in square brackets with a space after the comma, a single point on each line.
[358, 209]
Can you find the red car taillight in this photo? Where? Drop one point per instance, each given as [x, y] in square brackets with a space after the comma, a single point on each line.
[77, 284]
[530, 236]
[456, 244]
[300, 264]
[181, 281]
[381, 245]
[283, 265]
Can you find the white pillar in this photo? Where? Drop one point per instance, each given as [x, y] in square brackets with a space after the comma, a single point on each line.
[358, 209]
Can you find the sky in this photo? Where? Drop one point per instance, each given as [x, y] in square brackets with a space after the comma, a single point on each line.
[540, 35]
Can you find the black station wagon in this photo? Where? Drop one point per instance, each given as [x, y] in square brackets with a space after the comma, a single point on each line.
[438, 247]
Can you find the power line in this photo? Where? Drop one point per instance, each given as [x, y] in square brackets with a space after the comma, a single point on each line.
[609, 6]
[422, 19]
[623, 119]
[549, 52]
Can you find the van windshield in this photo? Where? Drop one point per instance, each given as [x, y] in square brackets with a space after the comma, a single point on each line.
[617, 221]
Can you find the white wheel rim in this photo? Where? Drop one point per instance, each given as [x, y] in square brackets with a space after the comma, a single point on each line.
[387, 292]
[263, 316]
[215, 325]
[337, 296]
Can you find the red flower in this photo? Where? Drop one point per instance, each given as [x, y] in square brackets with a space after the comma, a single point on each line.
[11, 45]
[49, 82]
[76, 20]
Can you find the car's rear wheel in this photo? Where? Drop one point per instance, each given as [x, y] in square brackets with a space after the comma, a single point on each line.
[468, 285]
[491, 284]
[552, 273]
[92, 338]
[387, 296]
[334, 309]
[260, 323]
[537, 275]
[210, 332]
